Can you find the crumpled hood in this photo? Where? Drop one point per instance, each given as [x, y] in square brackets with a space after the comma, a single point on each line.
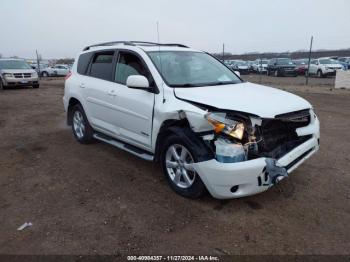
[13, 71]
[263, 101]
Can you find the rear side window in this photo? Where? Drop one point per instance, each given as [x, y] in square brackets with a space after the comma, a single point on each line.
[102, 66]
[83, 63]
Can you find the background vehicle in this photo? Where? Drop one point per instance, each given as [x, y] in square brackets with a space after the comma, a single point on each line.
[345, 61]
[324, 67]
[260, 65]
[241, 66]
[301, 65]
[185, 109]
[17, 72]
[281, 67]
[56, 70]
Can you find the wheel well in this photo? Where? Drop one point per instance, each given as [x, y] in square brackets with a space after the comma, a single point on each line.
[165, 131]
[182, 129]
[72, 102]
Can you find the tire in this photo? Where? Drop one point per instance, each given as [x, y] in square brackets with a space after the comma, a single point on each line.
[267, 72]
[82, 130]
[36, 86]
[276, 74]
[45, 74]
[319, 74]
[1, 85]
[176, 157]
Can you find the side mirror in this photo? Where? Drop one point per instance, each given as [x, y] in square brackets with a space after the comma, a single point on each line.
[238, 73]
[137, 81]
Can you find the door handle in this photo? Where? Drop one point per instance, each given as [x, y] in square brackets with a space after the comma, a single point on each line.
[82, 85]
[112, 93]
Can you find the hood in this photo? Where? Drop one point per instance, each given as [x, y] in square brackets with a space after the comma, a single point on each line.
[334, 66]
[13, 71]
[263, 101]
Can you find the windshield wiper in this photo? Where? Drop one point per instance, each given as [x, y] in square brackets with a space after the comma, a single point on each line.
[185, 85]
[205, 84]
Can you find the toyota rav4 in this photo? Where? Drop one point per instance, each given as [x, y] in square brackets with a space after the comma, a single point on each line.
[210, 130]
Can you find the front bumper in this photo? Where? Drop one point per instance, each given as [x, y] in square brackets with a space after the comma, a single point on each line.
[12, 81]
[234, 180]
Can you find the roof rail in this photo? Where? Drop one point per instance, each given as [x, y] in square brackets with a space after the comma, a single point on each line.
[133, 43]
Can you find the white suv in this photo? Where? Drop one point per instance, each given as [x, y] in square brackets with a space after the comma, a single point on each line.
[324, 67]
[185, 109]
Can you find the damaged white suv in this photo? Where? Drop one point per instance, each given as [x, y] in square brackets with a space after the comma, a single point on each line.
[210, 130]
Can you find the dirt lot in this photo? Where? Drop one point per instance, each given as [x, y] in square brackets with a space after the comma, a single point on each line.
[96, 199]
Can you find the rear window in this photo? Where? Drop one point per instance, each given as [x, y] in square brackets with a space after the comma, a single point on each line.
[83, 63]
[102, 65]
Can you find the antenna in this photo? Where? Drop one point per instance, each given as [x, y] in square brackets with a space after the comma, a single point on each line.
[160, 61]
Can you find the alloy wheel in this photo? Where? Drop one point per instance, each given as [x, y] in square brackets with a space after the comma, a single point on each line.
[78, 124]
[179, 165]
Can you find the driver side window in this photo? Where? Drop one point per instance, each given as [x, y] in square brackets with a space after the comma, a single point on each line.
[129, 64]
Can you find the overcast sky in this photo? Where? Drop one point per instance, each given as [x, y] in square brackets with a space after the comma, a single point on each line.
[62, 28]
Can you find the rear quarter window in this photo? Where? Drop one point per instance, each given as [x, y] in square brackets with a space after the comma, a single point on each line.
[83, 63]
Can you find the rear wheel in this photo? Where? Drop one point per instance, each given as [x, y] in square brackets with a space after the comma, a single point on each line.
[177, 165]
[45, 74]
[276, 73]
[82, 130]
[319, 74]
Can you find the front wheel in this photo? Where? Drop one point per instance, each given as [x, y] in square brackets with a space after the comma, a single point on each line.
[177, 165]
[45, 74]
[82, 130]
[36, 86]
[319, 74]
[276, 73]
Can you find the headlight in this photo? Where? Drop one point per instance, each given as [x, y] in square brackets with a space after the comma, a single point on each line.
[7, 75]
[228, 126]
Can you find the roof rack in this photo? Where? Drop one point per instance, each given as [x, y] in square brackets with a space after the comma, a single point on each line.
[133, 43]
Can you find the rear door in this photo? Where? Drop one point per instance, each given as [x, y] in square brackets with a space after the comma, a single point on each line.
[95, 87]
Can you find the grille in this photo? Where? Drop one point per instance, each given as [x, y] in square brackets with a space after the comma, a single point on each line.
[279, 135]
[22, 75]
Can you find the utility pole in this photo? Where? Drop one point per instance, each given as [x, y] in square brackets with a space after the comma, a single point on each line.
[223, 53]
[38, 64]
[308, 64]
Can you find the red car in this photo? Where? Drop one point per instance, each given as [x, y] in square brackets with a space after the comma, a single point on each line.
[301, 66]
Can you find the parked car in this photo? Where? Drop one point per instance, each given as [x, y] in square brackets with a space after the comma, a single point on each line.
[17, 72]
[301, 65]
[241, 66]
[56, 70]
[281, 67]
[260, 65]
[345, 61]
[182, 107]
[324, 67]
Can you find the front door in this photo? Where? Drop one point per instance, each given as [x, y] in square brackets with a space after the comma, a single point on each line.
[133, 107]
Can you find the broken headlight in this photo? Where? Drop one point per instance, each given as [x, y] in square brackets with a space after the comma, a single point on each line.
[224, 125]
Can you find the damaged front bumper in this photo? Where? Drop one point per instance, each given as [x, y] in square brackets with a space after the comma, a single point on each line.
[233, 180]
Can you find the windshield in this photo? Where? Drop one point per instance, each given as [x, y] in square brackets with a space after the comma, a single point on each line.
[191, 69]
[14, 64]
[284, 61]
[241, 63]
[327, 61]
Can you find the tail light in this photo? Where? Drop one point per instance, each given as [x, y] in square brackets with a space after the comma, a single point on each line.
[68, 75]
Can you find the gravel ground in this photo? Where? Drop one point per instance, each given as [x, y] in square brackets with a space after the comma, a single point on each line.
[97, 199]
